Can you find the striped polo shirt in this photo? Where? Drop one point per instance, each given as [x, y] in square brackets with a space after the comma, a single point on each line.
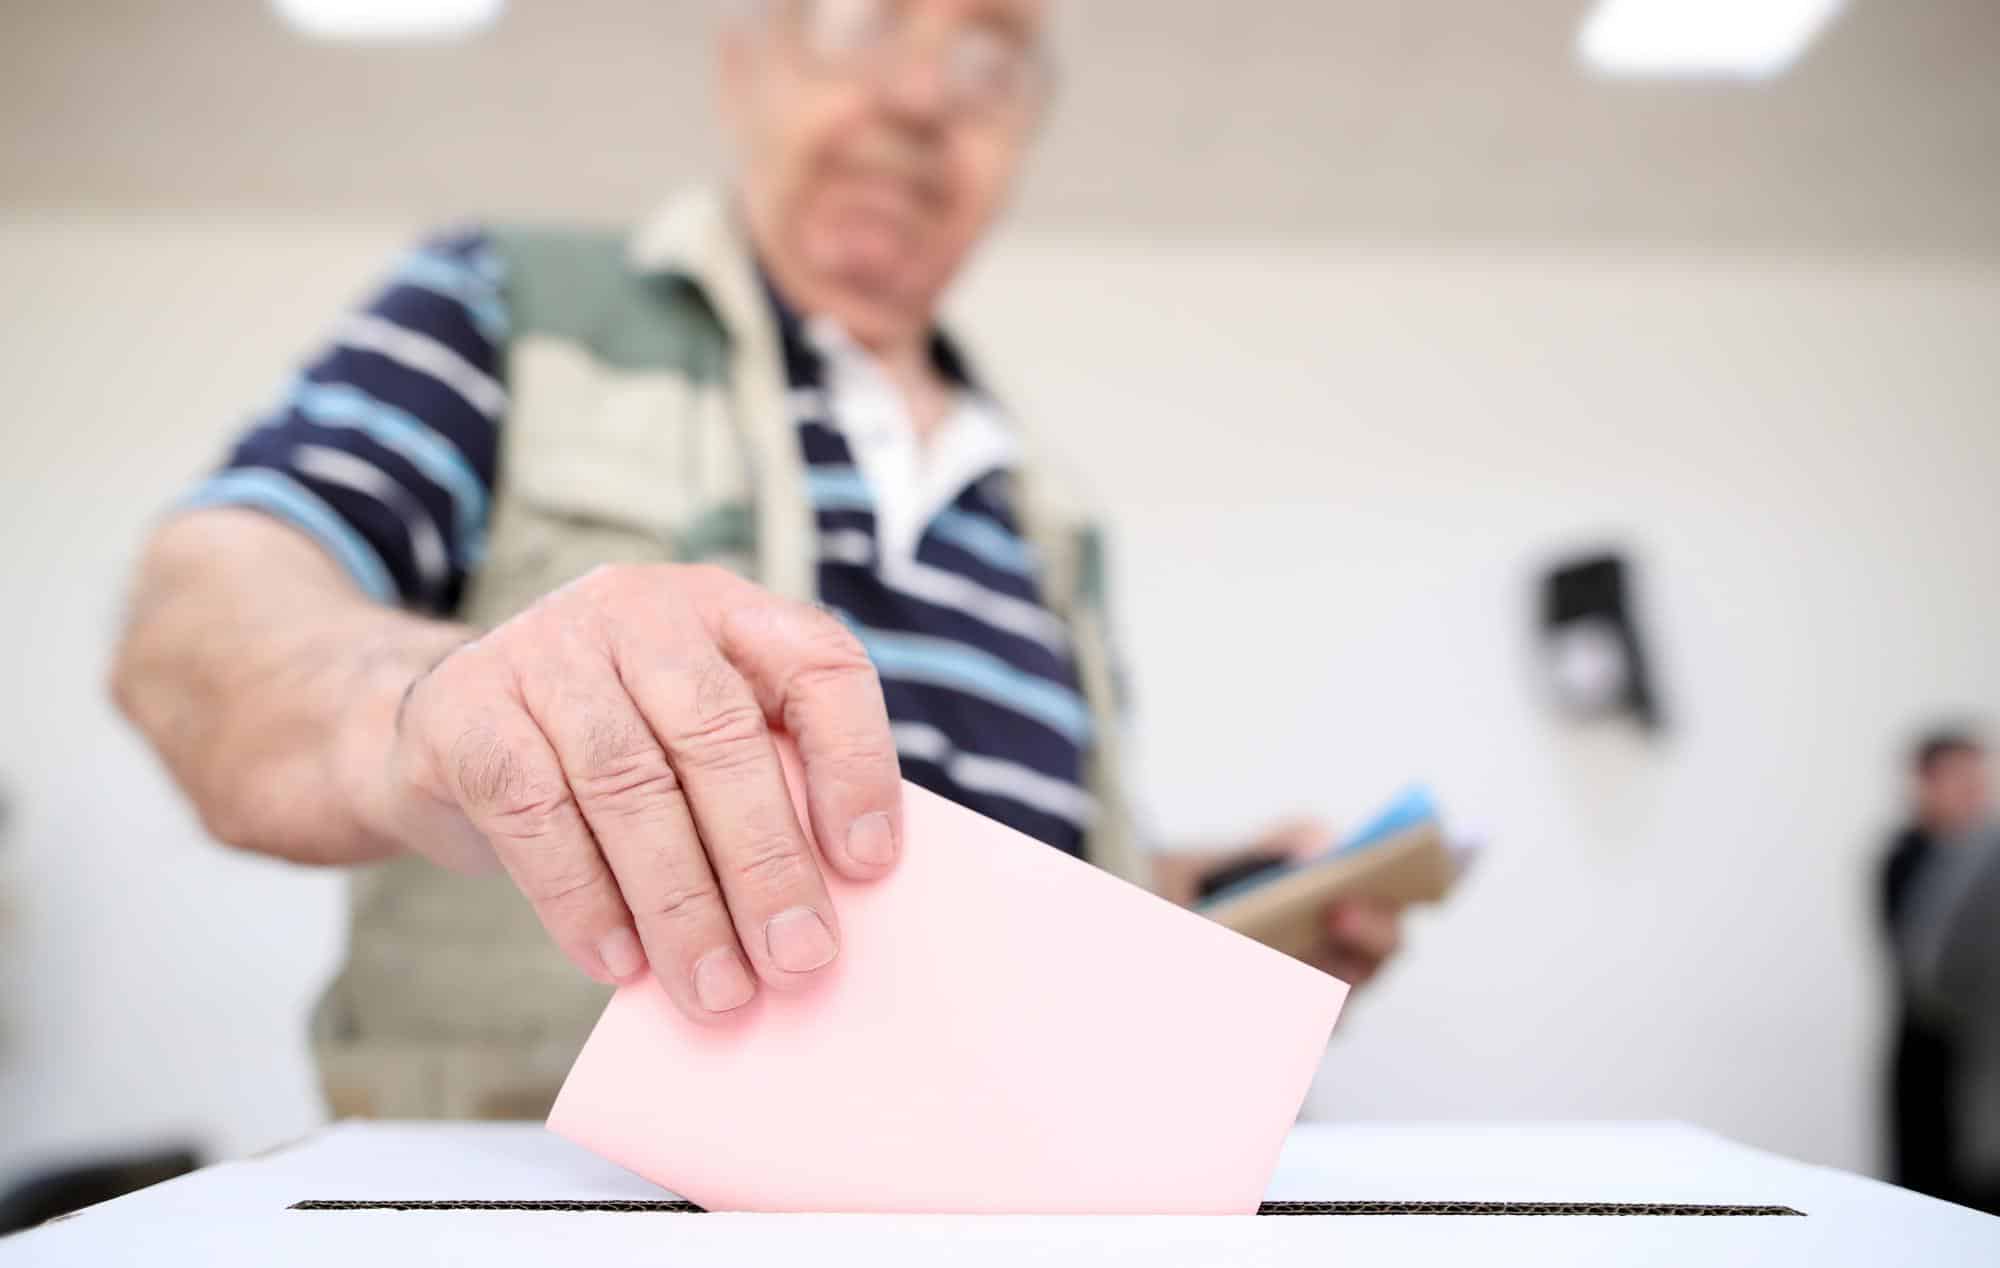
[385, 447]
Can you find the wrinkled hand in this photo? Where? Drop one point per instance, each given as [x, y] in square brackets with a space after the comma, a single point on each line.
[612, 747]
[1360, 934]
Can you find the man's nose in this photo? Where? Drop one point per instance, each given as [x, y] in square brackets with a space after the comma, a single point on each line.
[916, 87]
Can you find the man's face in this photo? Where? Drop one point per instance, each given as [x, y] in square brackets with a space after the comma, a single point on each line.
[877, 139]
[1954, 793]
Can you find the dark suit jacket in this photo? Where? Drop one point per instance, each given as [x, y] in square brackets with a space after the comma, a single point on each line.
[1923, 1070]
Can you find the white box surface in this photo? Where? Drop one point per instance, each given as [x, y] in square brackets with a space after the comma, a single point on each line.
[238, 1213]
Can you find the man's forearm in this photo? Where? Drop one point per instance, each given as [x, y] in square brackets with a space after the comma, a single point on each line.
[266, 680]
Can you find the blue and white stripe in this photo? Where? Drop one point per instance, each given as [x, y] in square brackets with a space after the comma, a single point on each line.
[278, 494]
[421, 354]
[383, 449]
[402, 433]
[976, 671]
[341, 469]
[995, 776]
[469, 278]
[979, 536]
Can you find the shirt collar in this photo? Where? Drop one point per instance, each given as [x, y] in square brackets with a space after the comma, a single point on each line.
[808, 340]
[910, 483]
[698, 238]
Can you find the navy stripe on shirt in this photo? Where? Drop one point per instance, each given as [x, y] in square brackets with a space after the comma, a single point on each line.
[977, 675]
[394, 426]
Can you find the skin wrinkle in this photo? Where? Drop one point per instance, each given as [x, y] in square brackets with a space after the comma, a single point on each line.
[619, 762]
[487, 773]
[403, 700]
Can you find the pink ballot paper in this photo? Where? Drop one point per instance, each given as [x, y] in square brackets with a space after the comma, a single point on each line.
[1007, 1029]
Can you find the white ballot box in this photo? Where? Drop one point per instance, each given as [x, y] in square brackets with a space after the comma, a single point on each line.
[369, 1195]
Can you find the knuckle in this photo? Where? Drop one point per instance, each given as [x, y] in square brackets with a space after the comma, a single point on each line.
[622, 766]
[702, 575]
[827, 633]
[629, 787]
[828, 650]
[530, 815]
[607, 576]
[494, 782]
[724, 740]
[774, 865]
[861, 754]
[485, 769]
[682, 905]
[562, 887]
[723, 728]
[229, 820]
[603, 588]
[834, 652]
[834, 665]
[610, 738]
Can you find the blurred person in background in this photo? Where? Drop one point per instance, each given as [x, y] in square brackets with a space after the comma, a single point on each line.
[1941, 903]
[537, 552]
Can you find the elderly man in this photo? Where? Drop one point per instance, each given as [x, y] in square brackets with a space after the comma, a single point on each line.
[534, 556]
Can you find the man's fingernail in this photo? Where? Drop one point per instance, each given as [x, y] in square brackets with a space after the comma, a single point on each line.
[799, 940]
[721, 982]
[620, 953]
[872, 839]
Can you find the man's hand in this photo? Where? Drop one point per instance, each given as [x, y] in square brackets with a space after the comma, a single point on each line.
[1360, 933]
[612, 747]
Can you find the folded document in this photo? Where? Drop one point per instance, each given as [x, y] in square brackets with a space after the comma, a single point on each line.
[1400, 857]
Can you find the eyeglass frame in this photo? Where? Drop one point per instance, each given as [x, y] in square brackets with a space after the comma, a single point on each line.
[1038, 64]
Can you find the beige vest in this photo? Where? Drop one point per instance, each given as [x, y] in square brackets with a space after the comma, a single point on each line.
[647, 422]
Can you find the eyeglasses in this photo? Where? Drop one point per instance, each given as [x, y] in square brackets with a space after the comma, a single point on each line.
[987, 67]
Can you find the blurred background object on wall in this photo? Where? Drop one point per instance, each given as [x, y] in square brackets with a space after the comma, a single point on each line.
[1596, 659]
[1384, 306]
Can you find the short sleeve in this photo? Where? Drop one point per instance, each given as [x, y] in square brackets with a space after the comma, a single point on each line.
[383, 447]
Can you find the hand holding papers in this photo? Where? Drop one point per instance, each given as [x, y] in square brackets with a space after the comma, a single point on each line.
[1399, 857]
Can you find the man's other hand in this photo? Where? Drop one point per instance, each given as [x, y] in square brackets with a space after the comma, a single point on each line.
[1359, 934]
[612, 746]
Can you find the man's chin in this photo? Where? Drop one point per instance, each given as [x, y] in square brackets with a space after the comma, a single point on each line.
[871, 307]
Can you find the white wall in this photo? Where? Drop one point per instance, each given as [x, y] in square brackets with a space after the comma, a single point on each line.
[151, 985]
[1335, 472]
[1331, 472]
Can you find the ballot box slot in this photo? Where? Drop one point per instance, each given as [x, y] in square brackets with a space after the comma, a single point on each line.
[1521, 1208]
[614, 1206]
[632, 1207]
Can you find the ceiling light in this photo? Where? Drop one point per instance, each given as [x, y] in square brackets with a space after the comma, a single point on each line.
[389, 20]
[1743, 39]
